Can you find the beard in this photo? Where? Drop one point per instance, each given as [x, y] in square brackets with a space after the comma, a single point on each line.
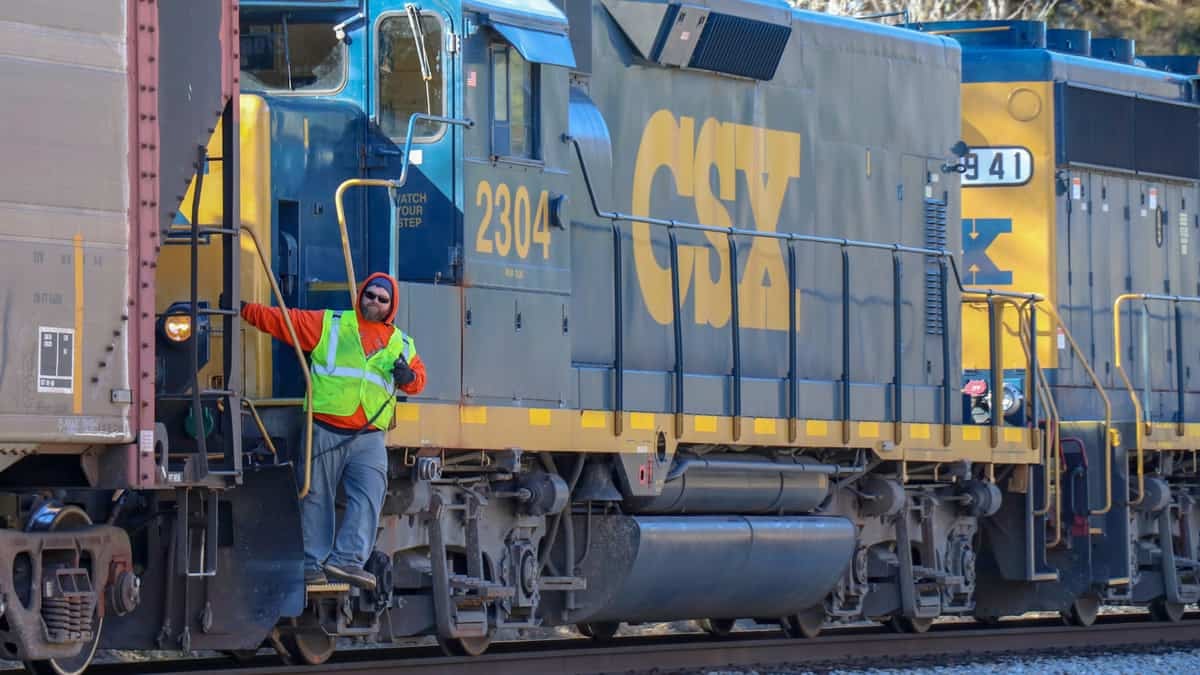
[375, 313]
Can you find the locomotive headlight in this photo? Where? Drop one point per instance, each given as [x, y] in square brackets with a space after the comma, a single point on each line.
[1012, 399]
[177, 328]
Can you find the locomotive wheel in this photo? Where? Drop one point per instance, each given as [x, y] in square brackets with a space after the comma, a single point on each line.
[988, 620]
[1163, 610]
[717, 627]
[51, 517]
[466, 646]
[308, 645]
[1083, 611]
[74, 665]
[599, 631]
[806, 624]
[910, 624]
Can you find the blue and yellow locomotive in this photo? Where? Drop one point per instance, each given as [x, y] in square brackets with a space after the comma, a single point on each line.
[686, 281]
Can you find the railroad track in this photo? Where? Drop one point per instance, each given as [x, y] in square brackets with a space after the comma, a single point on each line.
[840, 647]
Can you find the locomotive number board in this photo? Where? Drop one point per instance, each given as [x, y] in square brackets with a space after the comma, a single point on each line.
[995, 166]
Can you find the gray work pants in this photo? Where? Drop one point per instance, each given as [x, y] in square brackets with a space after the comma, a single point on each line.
[362, 465]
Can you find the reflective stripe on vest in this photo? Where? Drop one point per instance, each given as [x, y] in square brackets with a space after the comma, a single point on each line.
[339, 388]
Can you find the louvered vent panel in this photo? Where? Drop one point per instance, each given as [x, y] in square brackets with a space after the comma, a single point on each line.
[740, 46]
[935, 237]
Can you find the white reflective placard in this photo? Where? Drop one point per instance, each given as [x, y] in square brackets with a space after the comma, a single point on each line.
[997, 166]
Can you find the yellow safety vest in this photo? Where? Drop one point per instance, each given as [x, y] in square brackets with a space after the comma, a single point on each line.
[343, 378]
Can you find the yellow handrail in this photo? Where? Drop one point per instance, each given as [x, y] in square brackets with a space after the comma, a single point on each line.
[291, 329]
[262, 428]
[1137, 404]
[1052, 470]
[1087, 367]
[341, 218]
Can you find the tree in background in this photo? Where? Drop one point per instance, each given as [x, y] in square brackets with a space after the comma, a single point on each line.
[936, 10]
[1159, 26]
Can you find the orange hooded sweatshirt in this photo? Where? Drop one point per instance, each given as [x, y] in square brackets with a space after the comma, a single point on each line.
[309, 323]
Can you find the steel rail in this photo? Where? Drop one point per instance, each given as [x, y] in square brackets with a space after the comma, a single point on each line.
[759, 648]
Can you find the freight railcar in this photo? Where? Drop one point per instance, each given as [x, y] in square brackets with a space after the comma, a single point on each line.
[686, 281]
[105, 104]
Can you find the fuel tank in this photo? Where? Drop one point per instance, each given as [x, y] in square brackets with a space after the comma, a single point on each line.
[662, 568]
[727, 484]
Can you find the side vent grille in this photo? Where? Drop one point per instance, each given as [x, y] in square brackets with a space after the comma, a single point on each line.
[740, 46]
[935, 237]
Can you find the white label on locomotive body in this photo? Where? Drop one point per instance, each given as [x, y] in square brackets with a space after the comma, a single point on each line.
[997, 166]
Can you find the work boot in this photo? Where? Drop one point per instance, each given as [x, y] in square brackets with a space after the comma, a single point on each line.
[355, 576]
[314, 577]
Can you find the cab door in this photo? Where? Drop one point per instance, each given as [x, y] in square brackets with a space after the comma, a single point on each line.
[416, 234]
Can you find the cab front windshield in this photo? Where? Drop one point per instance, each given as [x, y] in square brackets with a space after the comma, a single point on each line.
[285, 52]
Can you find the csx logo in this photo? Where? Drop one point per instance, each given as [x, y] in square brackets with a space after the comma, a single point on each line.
[768, 160]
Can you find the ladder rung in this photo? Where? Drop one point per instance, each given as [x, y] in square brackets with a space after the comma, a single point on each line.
[207, 230]
[205, 395]
[219, 311]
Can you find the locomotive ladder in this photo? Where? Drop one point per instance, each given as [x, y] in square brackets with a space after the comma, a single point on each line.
[224, 467]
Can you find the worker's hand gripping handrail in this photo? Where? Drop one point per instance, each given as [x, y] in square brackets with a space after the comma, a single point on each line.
[295, 340]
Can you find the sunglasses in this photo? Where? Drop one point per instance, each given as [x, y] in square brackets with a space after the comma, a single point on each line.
[382, 299]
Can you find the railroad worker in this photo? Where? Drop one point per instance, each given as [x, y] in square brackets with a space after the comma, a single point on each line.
[359, 362]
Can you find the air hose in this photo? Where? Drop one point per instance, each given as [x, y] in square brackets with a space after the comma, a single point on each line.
[391, 400]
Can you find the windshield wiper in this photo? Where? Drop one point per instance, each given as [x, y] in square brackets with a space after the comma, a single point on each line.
[287, 53]
[418, 33]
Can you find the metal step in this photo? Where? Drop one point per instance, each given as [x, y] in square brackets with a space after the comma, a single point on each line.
[327, 588]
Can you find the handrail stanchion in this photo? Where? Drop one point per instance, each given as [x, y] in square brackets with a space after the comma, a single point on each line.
[677, 323]
[793, 380]
[735, 330]
[1034, 367]
[947, 384]
[618, 336]
[1179, 384]
[997, 365]
[845, 344]
[897, 353]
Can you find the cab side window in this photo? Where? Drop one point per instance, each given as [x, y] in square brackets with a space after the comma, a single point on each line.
[402, 88]
[514, 105]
